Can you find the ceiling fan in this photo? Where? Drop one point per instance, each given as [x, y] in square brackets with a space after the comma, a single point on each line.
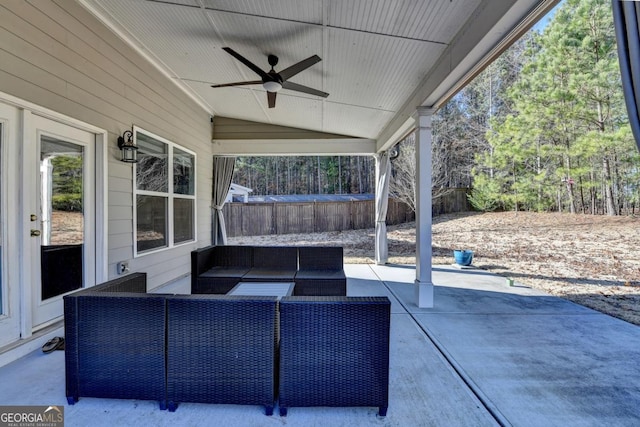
[272, 81]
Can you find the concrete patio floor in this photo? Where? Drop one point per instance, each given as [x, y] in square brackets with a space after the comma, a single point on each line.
[487, 354]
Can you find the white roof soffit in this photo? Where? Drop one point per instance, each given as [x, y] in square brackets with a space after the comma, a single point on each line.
[464, 59]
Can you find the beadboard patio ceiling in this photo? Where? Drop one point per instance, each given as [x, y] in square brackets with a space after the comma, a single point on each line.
[380, 60]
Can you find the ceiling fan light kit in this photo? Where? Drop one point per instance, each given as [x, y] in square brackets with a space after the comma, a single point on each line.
[272, 81]
[271, 86]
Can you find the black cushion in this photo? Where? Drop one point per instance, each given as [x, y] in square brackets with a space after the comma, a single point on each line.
[270, 275]
[225, 272]
[320, 274]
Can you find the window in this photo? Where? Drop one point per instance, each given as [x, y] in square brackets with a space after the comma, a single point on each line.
[164, 193]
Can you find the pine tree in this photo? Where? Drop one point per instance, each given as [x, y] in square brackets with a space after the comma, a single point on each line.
[564, 141]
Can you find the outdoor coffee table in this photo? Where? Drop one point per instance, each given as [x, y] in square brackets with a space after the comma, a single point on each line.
[278, 289]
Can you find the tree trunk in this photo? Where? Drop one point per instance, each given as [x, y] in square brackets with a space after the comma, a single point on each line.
[359, 177]
[569, 184]
[339, 175]
[572, 202]
[318, 168]
[608, 191]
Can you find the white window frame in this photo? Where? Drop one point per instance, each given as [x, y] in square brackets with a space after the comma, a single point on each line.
[169, 195]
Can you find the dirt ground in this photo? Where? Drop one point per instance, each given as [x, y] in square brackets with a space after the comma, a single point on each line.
[591, 260]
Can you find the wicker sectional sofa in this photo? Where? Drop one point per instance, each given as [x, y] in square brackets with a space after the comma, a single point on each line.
[314, 351]
[124, 343]
[316, 270]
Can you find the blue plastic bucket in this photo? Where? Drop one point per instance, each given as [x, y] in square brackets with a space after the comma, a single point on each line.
[463, 257]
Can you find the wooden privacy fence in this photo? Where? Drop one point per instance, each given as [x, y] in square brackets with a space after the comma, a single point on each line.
[455, 200]
[258, 219]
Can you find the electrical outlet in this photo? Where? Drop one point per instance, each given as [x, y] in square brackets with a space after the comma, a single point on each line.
[123, 267]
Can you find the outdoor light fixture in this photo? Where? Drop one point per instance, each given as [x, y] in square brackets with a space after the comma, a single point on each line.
[271, 86]
[125, 144]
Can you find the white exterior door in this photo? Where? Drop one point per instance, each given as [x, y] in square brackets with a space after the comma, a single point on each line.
[59, 202]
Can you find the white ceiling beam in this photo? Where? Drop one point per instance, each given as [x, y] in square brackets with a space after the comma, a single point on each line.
[294, 147]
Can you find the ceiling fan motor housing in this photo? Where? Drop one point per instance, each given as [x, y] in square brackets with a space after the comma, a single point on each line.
[271, 81]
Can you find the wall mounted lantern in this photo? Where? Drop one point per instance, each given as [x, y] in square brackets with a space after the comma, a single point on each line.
[125, 144]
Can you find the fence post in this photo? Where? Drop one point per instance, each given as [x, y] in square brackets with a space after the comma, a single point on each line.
[315, 217]
[351, 226]
[274, 219]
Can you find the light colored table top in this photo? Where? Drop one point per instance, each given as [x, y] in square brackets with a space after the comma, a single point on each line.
[277, 289]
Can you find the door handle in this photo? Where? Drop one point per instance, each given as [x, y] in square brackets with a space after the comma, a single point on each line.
[35, 233]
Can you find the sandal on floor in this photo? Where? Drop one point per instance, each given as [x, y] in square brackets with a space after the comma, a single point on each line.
[55, 343]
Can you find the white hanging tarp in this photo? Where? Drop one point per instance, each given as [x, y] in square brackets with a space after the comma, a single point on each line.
[383, 175]
[222, 174]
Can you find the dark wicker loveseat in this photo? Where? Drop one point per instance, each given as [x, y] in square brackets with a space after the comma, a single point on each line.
[315, 270]
[123, 343]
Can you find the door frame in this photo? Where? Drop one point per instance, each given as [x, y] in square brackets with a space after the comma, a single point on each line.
[48, 311]
[23, 224]
[10, 314]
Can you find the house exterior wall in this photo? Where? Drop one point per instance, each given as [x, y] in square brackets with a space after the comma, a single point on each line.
[56, 55]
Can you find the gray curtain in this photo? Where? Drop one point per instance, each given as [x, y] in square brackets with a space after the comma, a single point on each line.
[383, 175]
[626, 19]
[222, 173]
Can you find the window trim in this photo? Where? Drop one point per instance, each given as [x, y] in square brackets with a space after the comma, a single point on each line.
[169, 195]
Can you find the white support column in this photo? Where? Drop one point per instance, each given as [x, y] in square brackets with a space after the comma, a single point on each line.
[423, 283]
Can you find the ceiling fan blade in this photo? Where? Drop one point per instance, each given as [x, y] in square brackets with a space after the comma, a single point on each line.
[246, 62]
[271, 99]
[291, 71]
[253, 82]
[303, 89]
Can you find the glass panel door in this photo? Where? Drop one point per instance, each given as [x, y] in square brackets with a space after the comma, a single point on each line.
[62, 219]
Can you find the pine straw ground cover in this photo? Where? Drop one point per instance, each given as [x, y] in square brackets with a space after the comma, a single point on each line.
[591, 260]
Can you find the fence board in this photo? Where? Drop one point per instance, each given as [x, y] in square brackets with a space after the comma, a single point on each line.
[232, 213]
[363, 214]
[294, 218]
[332, 216]
[257, 219]
[398, 212]
[454, 201]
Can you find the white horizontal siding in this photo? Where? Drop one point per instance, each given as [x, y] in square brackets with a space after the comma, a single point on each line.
[57, 55]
